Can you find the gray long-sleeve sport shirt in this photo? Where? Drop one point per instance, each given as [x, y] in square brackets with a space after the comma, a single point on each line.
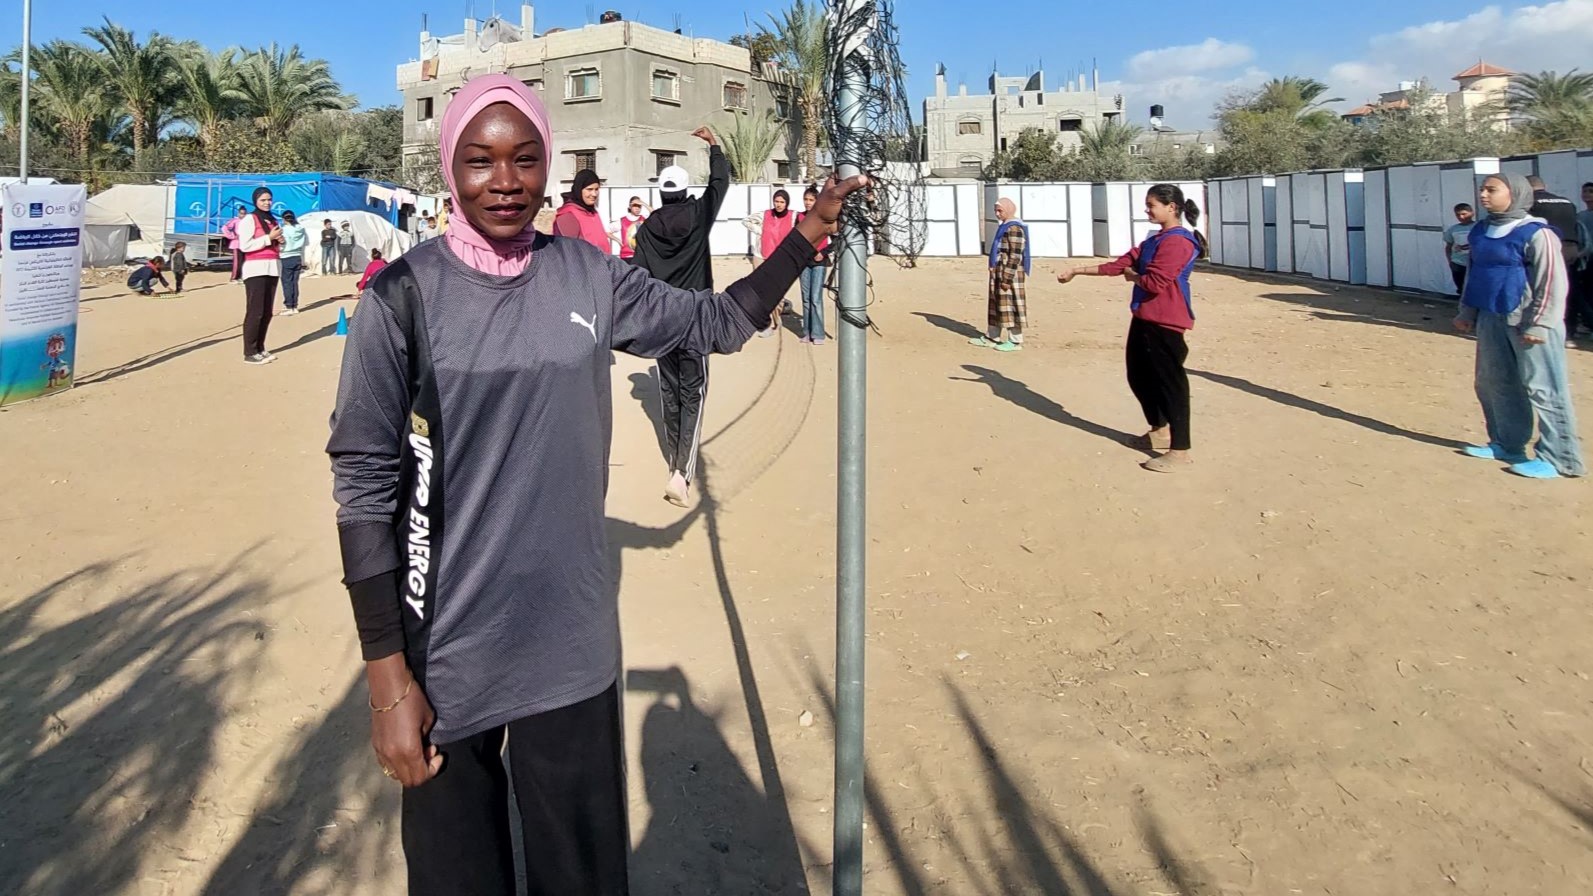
[524, 617]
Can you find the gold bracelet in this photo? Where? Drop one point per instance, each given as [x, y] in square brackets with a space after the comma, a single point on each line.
[394, 705]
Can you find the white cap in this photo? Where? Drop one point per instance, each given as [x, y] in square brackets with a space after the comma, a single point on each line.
[673, 179]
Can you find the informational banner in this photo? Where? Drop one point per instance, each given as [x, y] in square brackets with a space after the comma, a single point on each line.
[41, 272]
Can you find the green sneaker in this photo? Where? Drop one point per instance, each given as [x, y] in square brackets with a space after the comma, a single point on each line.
[982, 342]
[1009, 347]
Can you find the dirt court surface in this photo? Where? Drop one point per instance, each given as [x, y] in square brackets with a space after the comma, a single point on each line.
[1334, 657]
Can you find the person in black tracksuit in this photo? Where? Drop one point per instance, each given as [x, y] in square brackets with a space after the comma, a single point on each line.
[673, 246]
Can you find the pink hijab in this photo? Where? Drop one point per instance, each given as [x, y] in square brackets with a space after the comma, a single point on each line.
[504, 258]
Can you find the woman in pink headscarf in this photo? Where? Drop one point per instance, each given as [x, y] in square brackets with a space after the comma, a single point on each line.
[469, 451]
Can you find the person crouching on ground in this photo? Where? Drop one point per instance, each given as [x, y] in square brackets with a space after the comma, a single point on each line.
[142, 279]
[372, 269]
[1514, 301]
[1164, 310]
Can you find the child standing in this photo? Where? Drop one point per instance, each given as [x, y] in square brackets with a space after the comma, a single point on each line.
[345, 249]
[142, 279]
[179, 266]
[294, 239]
[328, 248]
[1514, 301]
[812, 279]
[1456, 250]
[1164, 311]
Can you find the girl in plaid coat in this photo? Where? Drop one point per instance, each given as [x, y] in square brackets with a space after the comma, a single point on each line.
[1009, 270]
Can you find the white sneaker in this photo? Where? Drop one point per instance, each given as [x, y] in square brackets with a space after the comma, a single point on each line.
[678, 491]
[268, 356]
[256, 359]
[289, 312]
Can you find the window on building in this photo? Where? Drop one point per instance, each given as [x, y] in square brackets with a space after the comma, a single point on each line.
[423, 108]
[782, 107]
[1135, 149]
[584, 159]
[663, 158]
[1178, 146]
[583, 84]
[666, 85]
[969, 127]
[971, 162]
[1003, 144]
[1070, 125]
[736, 95]
[535, 84]
[782, 170]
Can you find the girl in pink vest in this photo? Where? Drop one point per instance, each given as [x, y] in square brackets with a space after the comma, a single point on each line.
[777, 225]
[260, 243]
[229, 232]
[635, 214]
[578, 218]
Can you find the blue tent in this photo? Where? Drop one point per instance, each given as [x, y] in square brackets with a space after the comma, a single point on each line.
[204, 202]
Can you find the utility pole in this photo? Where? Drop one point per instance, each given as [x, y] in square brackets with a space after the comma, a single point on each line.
[852, 531]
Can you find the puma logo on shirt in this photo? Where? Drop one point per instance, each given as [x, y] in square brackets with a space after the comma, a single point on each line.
[591, 327]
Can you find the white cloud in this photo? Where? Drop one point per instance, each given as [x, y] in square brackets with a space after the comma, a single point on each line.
[1188, 99]
[1209, 55]
[1553, 35]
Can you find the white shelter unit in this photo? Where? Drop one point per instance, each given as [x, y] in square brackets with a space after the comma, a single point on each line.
[1322, 225]
[1243, 228]
[1408, 207]
[1057, 215]
[1119, 219]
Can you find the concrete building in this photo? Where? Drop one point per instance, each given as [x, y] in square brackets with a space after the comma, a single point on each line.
[1483, 88]
[623, 97]
[963, 133]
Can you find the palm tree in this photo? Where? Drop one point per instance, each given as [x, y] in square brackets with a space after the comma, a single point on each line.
[1103, 150]
[71, 91]
[142, 77]
[210, 93]
[749, 142]
[11, 94]
[801, 35]
[1548, 93]
[279, 87]
[1298, 97]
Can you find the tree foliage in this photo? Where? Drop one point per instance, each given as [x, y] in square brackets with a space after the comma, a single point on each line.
[123, 107]
[749, 142]
[801, 37]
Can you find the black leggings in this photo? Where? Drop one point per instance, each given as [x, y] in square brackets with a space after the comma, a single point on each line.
[259, 293]
[1155, 357]
[567, 767]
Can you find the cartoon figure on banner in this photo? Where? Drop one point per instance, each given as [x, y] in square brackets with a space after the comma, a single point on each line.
[60, 371]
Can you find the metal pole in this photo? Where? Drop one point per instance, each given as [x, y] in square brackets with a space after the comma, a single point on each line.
[851, 535]
[27, 42]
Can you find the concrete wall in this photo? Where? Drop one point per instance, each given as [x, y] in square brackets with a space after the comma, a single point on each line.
[1003, 116]
[625, 126]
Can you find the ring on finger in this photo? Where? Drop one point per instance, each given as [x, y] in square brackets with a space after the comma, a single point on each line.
[388, 772]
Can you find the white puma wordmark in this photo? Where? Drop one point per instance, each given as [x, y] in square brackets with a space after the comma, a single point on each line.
[591, 327]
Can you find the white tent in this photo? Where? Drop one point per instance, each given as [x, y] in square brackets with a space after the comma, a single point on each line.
[370, 232]
[149, 207]
[105, 235]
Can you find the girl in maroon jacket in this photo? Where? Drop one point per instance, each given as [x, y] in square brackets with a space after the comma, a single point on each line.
[1163, 311]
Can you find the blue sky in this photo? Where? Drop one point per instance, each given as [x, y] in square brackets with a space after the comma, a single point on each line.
[1357, 46]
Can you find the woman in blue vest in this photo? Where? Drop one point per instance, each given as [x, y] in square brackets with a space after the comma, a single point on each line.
[1514, 301]
[1163, 312]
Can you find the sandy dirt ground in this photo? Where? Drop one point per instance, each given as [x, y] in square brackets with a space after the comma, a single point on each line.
[1334, 657]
